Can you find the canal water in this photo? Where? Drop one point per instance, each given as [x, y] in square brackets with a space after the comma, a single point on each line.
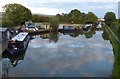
[64, 55]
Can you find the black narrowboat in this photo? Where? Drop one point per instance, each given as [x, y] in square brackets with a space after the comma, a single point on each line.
[18, 43]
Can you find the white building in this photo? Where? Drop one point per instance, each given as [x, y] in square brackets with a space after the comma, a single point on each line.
[119, 9]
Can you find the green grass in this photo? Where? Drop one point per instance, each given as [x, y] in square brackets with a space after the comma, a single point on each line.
[116, 49]
[115, 32]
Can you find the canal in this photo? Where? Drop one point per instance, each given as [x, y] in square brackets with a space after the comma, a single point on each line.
[64, 54]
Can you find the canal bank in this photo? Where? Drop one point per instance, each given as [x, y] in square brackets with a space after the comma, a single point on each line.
[116, 49]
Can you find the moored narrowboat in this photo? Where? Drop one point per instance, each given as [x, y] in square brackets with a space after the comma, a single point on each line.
[18, 43]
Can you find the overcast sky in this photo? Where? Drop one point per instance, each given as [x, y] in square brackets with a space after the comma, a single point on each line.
[52, 7]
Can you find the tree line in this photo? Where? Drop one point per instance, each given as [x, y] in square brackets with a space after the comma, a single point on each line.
[17, 14]
[77, 17]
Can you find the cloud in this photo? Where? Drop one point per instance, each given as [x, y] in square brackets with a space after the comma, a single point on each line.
[48, 11]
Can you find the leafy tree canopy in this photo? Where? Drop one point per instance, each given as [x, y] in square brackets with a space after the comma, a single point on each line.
[54, 21]
[90, 18]
[40, 18]
[75, 13]
[16, 13]
[110, 17]
[75, 16]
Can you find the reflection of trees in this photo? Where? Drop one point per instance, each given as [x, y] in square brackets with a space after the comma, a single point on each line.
[77, 33]
[90, 33]
[54, 36]
[45, 36]
[105, 35]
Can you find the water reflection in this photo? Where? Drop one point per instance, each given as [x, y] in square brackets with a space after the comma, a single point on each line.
[54, 36]
[66, 54]
[14, 59]
[105, 35]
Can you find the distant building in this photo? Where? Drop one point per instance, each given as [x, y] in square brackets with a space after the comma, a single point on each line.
[101, 21]
[44, 25]
[119, 9]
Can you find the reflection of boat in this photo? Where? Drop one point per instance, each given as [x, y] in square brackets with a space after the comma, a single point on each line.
[72, 33]
[68, 28]
[18, 43]
[15, 58]
[87, 27]
[68, 32]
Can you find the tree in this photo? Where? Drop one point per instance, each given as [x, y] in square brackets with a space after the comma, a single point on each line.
[35, 18]
[43, 18]
[75, 13]
[90, 18]
[17, 13]
[54, 21]
[40, 18]
[110, 18]
[75, 16]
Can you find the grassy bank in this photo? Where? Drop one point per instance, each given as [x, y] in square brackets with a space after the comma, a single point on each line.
[116, 49]
[115, 32]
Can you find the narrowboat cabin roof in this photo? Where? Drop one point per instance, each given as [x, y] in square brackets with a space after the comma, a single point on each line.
[20, 37]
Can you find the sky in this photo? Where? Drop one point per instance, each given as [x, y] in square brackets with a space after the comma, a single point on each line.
[53, 7]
